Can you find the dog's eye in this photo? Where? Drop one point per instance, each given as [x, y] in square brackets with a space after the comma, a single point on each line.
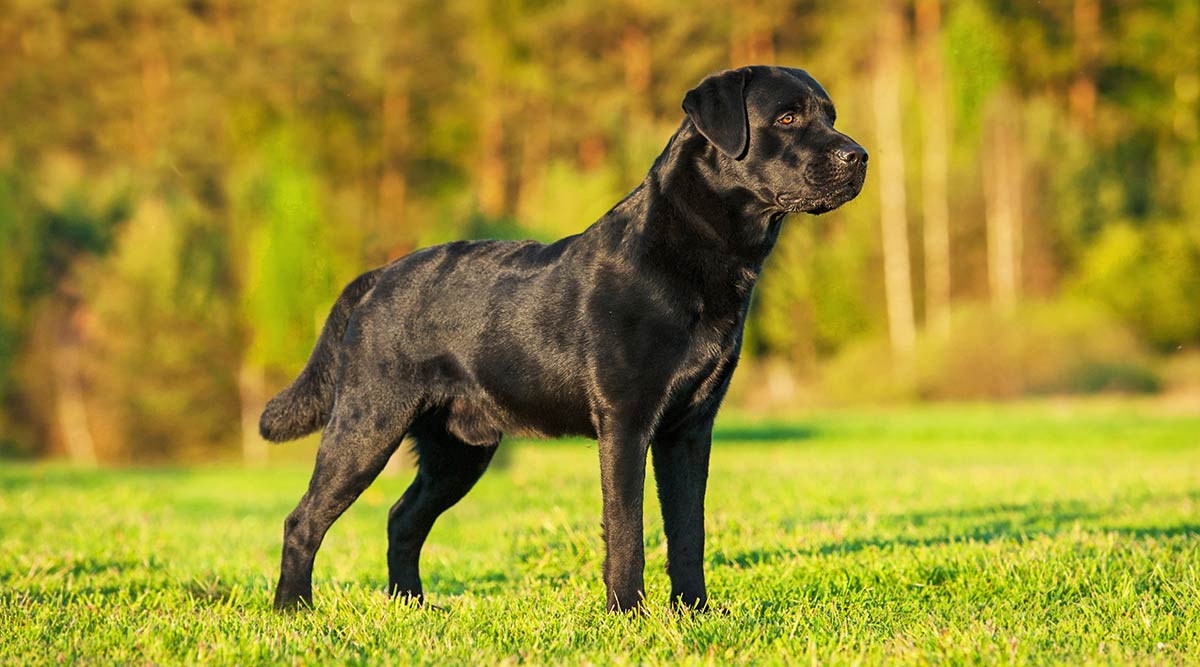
[787, 119]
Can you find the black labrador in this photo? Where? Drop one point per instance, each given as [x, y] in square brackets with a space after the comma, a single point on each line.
[627, 332]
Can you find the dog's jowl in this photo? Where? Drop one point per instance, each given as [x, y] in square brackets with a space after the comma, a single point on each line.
[627, 332]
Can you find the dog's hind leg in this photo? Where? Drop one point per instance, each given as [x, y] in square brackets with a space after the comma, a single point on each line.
[355, 446]
[447, 468]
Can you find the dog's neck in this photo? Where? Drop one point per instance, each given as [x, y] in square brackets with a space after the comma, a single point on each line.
[690, 214]
[690, 223]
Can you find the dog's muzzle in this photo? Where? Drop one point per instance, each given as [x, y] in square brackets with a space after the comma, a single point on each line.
[832, 195]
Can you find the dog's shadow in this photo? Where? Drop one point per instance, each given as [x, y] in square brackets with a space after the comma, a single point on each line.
[764, 432]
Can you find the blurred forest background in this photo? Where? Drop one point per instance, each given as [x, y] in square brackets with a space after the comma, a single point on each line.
[185, 186]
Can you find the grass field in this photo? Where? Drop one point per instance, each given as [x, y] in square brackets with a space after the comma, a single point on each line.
[1023, 534]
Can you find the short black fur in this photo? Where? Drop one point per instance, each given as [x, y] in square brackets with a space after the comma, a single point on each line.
[627, 332]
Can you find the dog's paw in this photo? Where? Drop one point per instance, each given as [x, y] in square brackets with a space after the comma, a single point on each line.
[290, 604]
[635, 608]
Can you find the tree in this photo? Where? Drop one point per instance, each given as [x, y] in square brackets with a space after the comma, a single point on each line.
[893, 217]
[934, 166]
[1002, 181]
[288, 272]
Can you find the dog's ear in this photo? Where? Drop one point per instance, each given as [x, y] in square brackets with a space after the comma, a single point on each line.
[717, 108]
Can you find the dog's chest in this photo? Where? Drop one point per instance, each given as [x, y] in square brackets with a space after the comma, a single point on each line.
[710, 358]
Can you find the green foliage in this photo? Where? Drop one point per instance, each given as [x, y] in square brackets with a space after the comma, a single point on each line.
[12, 304]
[164, 339]
[567, 195]
[42, 236]
[974, 56]
[12, 255]
[1147, 277]
[48, 226]
[288, 273]
[1085, 192]
[984, 535]
[810, 296]
[290, 147]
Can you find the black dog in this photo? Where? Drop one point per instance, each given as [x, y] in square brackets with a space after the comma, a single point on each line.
[627, 332]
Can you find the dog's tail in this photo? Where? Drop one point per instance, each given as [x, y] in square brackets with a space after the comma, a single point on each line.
[305, 405]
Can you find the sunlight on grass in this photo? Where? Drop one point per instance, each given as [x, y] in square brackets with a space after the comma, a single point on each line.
[964, 535]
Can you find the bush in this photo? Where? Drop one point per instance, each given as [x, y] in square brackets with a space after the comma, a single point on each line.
[1040, 348]
[865, 372]
[1148, 277]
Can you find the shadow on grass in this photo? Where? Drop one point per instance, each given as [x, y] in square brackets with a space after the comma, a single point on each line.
[42, 477]
[215, 593]
[484, 582]
[211, 593]
[1030, 515]
[764, 432]
[1032, 521]
[1157, 532]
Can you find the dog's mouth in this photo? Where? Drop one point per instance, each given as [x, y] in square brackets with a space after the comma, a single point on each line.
[830, 198]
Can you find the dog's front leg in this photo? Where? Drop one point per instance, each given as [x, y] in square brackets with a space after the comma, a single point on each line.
[681, 472]
[622, 481]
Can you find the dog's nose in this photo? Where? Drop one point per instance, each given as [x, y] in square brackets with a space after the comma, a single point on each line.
[852, 155]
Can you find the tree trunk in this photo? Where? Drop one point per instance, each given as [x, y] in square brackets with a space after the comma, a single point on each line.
[1002, 200]
[252, 396]
[493, 167]
[934, 168]
[535, 155]
[1086, 49]
[70, 402]
[892, 203]
[155, 90]
[393, 186]
[636, 59]
[492, 172]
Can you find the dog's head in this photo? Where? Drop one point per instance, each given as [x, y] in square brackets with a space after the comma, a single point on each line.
[775, 126]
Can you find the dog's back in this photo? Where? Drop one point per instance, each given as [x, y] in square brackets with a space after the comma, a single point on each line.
[484, 328]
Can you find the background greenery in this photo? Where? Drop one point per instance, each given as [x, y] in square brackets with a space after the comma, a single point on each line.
[1029, 534]
[184, 186]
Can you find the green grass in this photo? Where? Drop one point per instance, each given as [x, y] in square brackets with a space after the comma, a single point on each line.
[1024, 534]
